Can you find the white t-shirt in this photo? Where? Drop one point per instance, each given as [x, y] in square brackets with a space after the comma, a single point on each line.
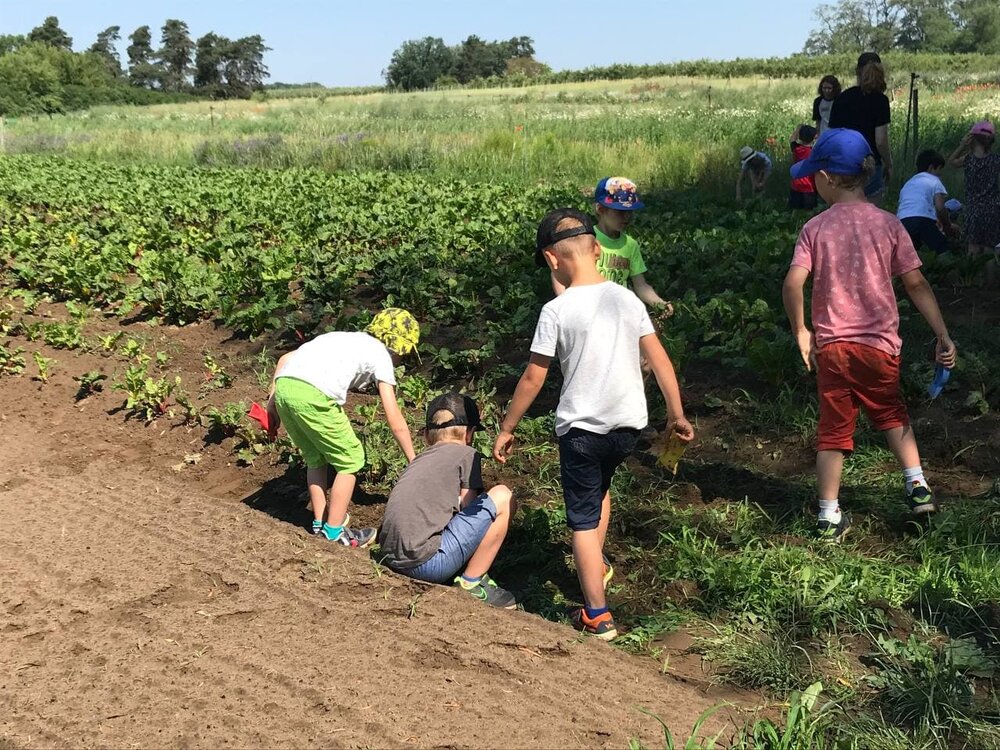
[338, 362]
[917, 196]
[595, 330]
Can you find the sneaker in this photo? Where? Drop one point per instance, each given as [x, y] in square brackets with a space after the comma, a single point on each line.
[359, 538]
[602, 626]
[487, 591]
[833, 533]
[317, 526]
[921, 500]
[609, 571]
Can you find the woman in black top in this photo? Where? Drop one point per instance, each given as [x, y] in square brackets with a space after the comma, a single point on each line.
[828, 90]
[865, 108]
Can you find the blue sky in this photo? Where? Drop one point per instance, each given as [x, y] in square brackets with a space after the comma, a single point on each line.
[348, 44]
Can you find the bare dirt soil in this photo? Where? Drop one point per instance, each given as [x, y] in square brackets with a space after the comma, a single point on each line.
[145, 602]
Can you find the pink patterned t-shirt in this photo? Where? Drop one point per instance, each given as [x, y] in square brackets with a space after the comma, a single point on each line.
[853, 251]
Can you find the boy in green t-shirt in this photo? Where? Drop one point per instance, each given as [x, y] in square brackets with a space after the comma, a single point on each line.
[621, 259]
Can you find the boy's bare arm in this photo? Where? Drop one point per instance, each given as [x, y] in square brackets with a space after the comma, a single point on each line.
[273, 418]
[944, 216]
[528, 386]
[644, 291]
[923, 298]
[666, 379]
[793, 295]
[397, 422]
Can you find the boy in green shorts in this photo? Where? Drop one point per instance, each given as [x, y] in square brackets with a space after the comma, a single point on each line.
[615, 198]
[307, 395]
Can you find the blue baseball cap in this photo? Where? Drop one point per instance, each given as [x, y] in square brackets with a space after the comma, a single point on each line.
[838, 151]
[618, 192]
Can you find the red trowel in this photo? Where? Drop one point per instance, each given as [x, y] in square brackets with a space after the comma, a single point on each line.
[259, 414]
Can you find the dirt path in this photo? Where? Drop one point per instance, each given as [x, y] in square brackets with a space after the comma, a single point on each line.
[140, 611]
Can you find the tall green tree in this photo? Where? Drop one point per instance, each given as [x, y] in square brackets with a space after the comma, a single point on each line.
[11, 42]
[209, 57]
[105, 48]
[143, 71]
[477, 58]
[418, 63]
[51, 34]
[244, 67]
[29, 81]
[175, 54]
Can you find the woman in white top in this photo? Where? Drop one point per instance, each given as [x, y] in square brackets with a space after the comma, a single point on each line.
[828, 90]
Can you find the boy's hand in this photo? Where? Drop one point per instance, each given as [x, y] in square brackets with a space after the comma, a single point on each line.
[273, 420]
[682, 429]
[807, 348]
[946, 353]
[664, 311]
[503, 446]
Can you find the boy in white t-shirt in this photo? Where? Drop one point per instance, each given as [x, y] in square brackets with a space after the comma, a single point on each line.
[308, 392]
[922, 204]
[597, 329]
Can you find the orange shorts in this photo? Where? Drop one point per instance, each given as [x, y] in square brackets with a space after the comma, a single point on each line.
[850, 376]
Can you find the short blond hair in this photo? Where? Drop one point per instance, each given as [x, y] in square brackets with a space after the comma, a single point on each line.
[855, 181]
[453, 433]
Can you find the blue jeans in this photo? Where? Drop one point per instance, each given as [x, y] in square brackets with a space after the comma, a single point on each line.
[876, 185]
[459, 541]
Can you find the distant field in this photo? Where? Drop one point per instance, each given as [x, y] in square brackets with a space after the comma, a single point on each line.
[664, 132]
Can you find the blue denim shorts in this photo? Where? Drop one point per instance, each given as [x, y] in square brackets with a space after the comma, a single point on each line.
[876, 185]
[587, 463]
[459, 541]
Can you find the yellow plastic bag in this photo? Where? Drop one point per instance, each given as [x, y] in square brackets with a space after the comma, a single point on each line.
[669, 452]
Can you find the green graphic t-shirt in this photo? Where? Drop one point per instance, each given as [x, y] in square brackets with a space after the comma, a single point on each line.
[620, 258]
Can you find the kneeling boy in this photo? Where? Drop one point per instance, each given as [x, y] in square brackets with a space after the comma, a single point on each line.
[439, 519]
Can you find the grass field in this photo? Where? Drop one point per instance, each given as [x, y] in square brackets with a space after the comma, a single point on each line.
[281, 218]
[664, 133]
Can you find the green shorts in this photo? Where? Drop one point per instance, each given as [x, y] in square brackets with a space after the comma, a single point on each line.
[318, 427]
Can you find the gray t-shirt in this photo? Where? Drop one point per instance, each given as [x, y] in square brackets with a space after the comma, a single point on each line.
[424, 500]
[595, 330]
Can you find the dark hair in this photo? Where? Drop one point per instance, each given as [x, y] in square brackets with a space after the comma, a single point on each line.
[868, 57]
[833, 81]
[928, 159]
[807, 133]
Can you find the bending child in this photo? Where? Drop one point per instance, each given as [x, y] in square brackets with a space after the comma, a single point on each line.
[922, 204]
[440, 523]
[853, 250]
[307, 395]
[597, 329]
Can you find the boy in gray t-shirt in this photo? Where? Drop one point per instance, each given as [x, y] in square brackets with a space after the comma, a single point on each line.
[597, 329]
[439, 519]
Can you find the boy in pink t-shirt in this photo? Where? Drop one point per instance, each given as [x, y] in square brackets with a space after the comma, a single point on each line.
[853, 250]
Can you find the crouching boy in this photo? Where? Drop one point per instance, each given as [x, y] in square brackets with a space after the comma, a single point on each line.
[440, 524]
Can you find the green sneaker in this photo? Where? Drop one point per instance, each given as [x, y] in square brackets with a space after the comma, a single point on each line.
[487, 591]
[921, 500]
[833, 533]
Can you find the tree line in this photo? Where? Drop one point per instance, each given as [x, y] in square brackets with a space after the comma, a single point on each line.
[40, 72]
[429, 62]
[945, 26]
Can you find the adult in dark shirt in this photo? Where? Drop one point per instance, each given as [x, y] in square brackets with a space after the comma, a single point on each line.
[865, 108]
[828, 90]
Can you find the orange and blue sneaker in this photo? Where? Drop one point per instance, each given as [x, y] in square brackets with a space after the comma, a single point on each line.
[602, 626]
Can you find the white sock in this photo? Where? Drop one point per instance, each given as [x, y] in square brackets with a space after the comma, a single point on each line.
[914, 477]
[829, 510]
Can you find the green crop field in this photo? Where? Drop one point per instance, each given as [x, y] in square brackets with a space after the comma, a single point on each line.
[282, 218]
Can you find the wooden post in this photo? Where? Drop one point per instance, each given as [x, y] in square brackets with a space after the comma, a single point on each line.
[916, 120]
[211, 115]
